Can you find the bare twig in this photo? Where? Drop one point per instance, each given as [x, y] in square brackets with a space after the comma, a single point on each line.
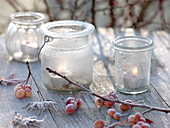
[48, 11]
[29, 72]
[10, 80]
[93, 12]
[112, 15]
[13, 5]
[116, 100]
[162, 14]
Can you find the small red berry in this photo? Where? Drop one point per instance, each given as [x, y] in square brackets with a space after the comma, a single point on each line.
[108, 104]
[145, 125]
[79, 103]
[68, 100]
[74, 102]
[98, 124]
[17, 87]
[28, 92]
[125, 107]
[117, 116]
[111, 112]
[136, 126]
[132, 119]
[138, 116]
[20, 93]
[99, 102]
[70, 108]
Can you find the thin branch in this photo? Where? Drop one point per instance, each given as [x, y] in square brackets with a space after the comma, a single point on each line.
[112, 15]
[93, 12]
[13, 5]
[117, 100]
[162, 17]
[29, 72]
[142, 12]
[48, 11]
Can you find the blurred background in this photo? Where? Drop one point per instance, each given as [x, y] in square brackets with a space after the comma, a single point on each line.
[146, 14]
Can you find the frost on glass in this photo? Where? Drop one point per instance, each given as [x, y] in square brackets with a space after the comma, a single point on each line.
[132, 65]
[70, 55]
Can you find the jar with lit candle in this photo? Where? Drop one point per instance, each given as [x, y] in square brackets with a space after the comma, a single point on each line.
[23, 39]
[132, 64]
[68, 50]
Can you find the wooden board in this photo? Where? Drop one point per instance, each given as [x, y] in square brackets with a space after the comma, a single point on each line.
[103, 84]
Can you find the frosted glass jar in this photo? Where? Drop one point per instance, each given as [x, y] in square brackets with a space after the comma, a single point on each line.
[23, 39]
[68, 50]
[132, 64]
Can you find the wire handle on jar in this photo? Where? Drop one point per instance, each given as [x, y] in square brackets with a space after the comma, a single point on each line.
[46, 39]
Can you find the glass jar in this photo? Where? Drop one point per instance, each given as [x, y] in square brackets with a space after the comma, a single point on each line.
[23, 39]
[67, 50]
[132, 64]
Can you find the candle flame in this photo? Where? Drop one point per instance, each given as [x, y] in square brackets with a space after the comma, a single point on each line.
[135, 71]
[63, 69]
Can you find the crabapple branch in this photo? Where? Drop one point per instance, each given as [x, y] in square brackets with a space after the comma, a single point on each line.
[29, 72]
[116, 100]
[10, 80]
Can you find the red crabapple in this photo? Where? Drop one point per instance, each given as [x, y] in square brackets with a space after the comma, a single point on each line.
[70, 108]
[17, 87]
[136, 126]
[117, 116]
[20, 93]
[98, 124]
[108, 104]
[145, 125]
[79, 103]
[99, 102]
[68, 100]
[28, 92]
[111, 112]
[138, 116]
[72, 104]
[132, 119]
[125, 107]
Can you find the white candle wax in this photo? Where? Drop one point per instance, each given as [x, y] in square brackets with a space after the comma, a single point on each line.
[132, 80]
[58, 83]
[29, 48]
[29, 45]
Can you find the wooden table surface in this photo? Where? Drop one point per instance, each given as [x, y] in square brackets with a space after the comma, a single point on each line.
[159, 94]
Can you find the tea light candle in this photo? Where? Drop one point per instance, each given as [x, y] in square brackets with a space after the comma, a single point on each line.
[132, 64]
[23, 38]
[67, 50]
[30, 46]
[133, 80]
[57, 82]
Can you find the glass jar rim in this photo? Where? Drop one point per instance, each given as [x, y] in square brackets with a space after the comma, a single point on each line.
[129, 48]
[88, 28]
[39, 18]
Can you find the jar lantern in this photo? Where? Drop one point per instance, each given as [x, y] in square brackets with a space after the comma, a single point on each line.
[68, 50]
[23, 39]
[132, 64]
